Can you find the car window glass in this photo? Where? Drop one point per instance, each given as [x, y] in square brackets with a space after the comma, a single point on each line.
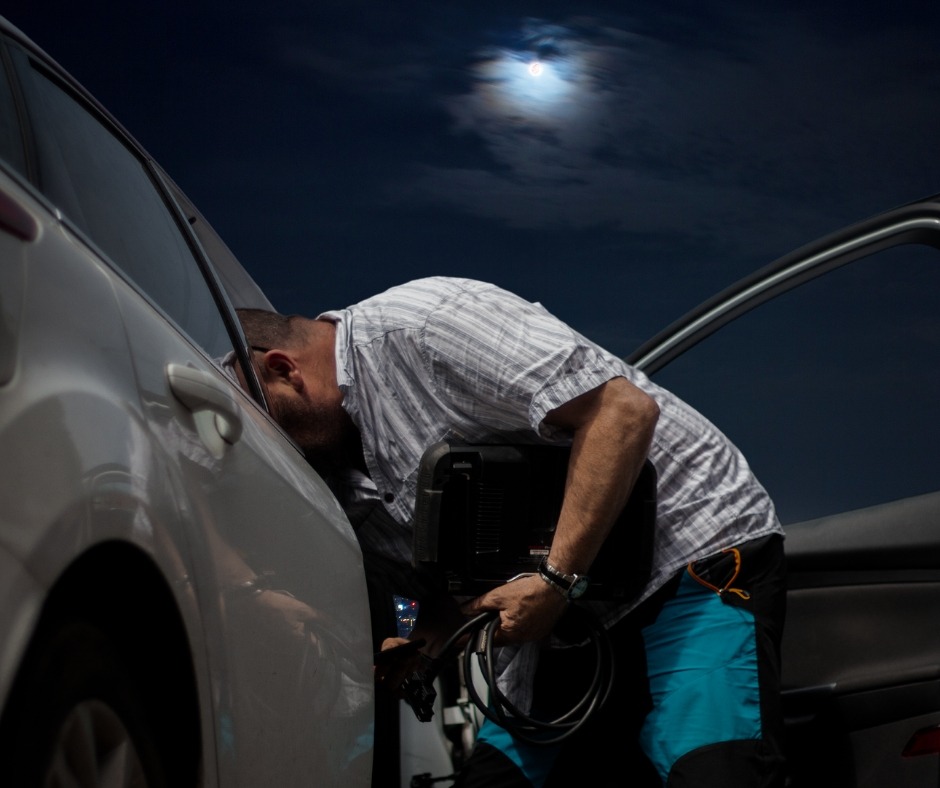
[11, 144]
[105, 190]
[831, 390]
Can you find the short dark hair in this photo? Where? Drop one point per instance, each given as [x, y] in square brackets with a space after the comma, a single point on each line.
[266, 329]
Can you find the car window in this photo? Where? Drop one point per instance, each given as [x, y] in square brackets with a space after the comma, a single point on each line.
[11, 142]
[831, 390]
[107, 192]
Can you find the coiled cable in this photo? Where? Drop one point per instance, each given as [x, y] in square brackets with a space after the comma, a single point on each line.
[500, 710]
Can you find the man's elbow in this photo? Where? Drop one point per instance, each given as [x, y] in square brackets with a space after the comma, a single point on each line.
[650, 410]
[636, 407]
[618, 405]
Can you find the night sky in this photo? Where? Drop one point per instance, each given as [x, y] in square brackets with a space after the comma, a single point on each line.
[664, 150]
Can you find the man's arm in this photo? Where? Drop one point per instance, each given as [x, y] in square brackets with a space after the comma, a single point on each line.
[612, 427]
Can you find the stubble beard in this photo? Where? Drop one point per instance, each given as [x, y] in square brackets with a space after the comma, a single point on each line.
[325, 434]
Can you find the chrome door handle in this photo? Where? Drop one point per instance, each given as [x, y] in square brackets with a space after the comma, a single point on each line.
[200, 392]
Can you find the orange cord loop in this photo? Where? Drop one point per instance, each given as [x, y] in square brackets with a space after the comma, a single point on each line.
[727, 587]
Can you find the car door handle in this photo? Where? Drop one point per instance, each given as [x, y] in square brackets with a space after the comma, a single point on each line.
[200, 392]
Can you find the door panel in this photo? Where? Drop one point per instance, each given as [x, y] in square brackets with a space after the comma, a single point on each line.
[291, 665]
[860, 653]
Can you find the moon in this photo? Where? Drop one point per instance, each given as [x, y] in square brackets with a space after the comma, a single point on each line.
[536, 68]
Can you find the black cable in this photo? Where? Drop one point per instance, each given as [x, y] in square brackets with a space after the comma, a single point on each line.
[500, 709]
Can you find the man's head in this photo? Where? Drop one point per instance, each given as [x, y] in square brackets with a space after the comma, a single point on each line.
[294, 359]
[267, 329]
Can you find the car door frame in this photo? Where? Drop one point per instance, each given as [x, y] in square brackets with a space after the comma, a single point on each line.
[861, 667]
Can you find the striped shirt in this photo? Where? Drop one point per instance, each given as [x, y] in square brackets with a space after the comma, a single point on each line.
[460, 360]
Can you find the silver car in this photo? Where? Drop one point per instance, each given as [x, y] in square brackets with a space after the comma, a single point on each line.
[182, 600]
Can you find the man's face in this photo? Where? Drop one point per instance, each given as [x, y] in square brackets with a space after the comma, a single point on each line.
[321, 428]
[314, 418]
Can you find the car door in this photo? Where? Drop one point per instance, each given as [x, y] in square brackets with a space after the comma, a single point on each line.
[281, 639]
[825, 372]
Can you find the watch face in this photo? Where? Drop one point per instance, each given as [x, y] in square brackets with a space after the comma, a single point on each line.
[578, 587]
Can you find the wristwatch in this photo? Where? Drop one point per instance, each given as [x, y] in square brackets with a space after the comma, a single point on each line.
[569, 586]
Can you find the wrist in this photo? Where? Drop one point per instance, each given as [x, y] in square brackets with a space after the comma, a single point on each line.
[556, 590]
[570, 586]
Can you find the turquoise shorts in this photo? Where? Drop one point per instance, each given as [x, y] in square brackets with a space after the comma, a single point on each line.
[710, 651]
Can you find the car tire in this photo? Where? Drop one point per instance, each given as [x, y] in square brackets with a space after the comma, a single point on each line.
[76, 716]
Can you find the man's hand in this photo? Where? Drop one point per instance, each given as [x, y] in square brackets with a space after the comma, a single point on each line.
[282, 613]
[280, 621]
[397, 660]
[528, 609]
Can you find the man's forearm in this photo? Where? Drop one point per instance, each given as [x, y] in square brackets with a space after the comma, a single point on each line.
[612, 430]
[612, 427]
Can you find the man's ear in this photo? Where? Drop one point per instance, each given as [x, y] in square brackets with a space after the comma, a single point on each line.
[281, 366]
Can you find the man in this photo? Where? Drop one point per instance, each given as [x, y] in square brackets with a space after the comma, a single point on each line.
[367, 389]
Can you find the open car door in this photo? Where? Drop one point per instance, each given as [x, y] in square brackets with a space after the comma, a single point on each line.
[826, 373]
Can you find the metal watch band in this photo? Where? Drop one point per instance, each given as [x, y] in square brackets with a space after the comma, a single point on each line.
[554, 586]
[570, 586]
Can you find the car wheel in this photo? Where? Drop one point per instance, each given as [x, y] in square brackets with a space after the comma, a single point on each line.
[94, 748]
[76, 718]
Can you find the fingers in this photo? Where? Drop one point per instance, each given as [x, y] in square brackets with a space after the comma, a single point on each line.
[491, 600]
[528, 610]
[397, 650]
[396, 661]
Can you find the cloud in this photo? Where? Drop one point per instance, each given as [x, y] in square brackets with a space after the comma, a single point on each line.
[645, 133]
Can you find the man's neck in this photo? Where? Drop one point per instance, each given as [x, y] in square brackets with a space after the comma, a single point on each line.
[321, 346]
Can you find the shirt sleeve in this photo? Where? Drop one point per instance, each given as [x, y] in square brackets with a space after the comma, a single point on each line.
[507, 362]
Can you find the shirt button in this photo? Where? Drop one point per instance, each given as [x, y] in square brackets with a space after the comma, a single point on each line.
[389, 497]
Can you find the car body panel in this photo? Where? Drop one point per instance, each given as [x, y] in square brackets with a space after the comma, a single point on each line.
[143, 488]
[259, 504]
